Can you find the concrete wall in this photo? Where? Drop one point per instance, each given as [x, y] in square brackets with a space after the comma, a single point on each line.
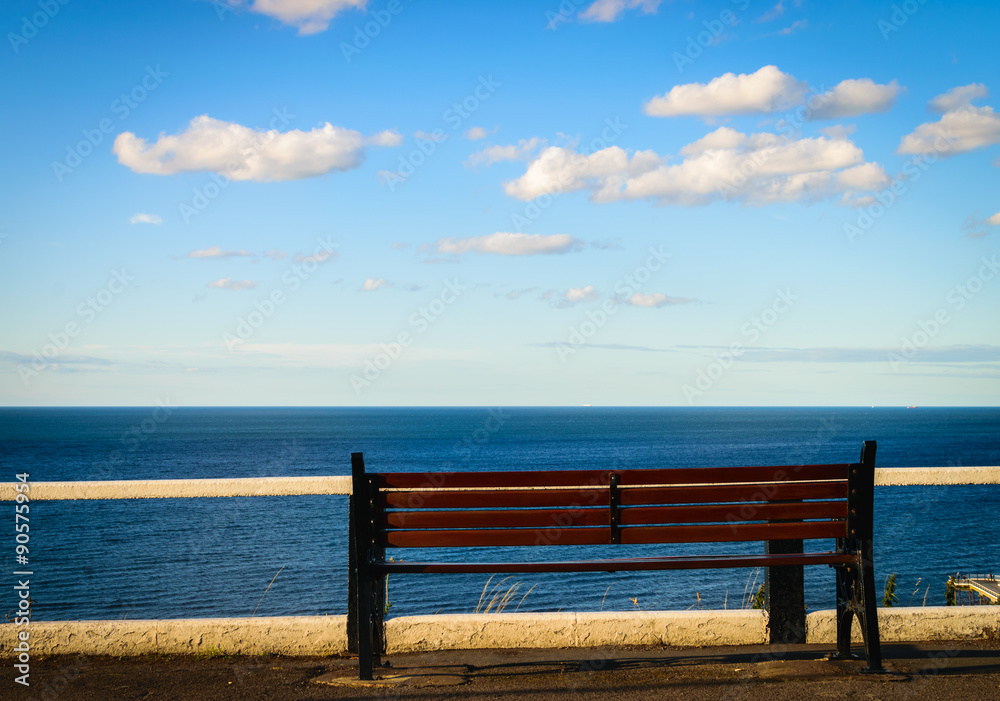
[292, 635]
[891, 476]
[326, 635]
[183, 488]
[285, 486]
[511, 630]
[916, 624]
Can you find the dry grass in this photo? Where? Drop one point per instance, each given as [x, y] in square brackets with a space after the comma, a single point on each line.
[497, 599]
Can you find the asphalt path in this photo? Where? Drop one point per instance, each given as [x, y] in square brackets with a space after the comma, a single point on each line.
[941, 671]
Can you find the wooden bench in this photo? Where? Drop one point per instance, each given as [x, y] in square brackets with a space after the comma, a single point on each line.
[775, 505]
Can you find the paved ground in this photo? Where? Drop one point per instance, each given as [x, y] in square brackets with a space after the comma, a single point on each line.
[960, 670]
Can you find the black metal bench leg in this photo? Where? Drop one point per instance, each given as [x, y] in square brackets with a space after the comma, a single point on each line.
[364, 628]
[845, 615]
[873, 647]
[378, 619]
[352, 581]
[363, 541]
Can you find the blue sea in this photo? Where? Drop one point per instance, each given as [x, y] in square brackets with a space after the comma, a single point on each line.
[185, 558]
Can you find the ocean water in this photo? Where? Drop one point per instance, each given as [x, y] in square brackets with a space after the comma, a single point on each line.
[183, 558]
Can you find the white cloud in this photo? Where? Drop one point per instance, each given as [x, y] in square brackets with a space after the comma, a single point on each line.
[217, 252]
[476, 133]
[838, 131]
[852, 97]
[656, 299]
[957, 97]
[562, 169]
[514, 152]
[309, 16]
[249, 154]
[372, 284]
[227, 283]
[867, 177]
[994, 220]
[721, 138]
[510, 244]
[768, 90]
[580, 294]
[726, 164]
[437, 135]
[612, 10]
[145, 219]
[275, 254]
[963, 127]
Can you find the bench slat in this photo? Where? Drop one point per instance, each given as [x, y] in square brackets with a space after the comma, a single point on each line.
[512, 478]
[495, 537]
[648, 515]
[705, 533]
[574, 478]
[621, 565]
[722, 475]
[733, 493]
[459, 499]
[630, 516]
[519, 518]
[735, 532]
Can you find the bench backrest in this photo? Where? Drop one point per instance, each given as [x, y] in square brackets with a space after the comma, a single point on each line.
[598, 507]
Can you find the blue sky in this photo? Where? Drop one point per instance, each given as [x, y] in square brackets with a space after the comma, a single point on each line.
[623, 202]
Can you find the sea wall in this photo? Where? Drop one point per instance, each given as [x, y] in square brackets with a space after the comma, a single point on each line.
[287, 486]
[326, 635]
